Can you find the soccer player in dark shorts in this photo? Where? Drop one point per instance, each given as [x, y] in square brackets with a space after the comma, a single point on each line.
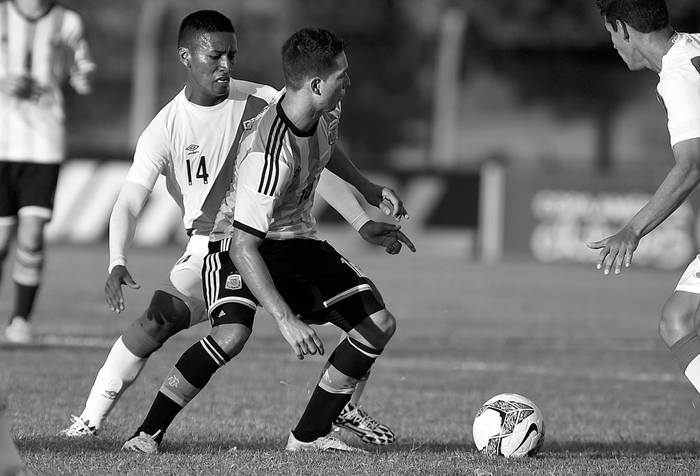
[272, 257]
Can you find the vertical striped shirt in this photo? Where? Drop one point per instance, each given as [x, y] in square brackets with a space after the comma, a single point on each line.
[48, 49]
[276, 176]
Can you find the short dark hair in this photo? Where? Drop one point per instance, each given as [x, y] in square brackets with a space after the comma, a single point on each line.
[202, 21]
[309, 52]
[643, 15]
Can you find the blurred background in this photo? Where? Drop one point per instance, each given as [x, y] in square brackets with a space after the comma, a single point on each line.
[509, 128]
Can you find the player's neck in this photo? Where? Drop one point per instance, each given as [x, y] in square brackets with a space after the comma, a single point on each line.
[199, 98]
[299, 110]
[657, 45]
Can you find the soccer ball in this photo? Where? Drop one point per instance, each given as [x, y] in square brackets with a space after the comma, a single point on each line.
[508, 425]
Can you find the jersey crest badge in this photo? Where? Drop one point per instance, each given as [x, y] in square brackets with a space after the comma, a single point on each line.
[191, 149]
[333, 131]
[234, 282]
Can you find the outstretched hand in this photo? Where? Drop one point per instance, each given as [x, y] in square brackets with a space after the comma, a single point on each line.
[616, 251]
[300, 337]
[113, 288]
[387, 235]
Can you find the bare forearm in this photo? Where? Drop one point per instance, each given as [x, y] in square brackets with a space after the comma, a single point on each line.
[344, 168]
[680, 181]
[256, 276]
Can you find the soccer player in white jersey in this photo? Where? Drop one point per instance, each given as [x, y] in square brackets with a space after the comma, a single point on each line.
[641, 34]
[41, 45]
[193, 141]
[264, 251]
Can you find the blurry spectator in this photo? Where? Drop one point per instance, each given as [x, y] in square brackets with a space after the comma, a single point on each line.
[41, 45]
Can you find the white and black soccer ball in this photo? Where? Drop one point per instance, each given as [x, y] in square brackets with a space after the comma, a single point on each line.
[508, 425]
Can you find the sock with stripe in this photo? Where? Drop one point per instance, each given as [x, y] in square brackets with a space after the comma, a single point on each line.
[189, 376]
[687, 353]
[351, 359]
[27, 277]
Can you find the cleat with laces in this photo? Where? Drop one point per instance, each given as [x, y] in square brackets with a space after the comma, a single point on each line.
[323, 443]
[355, 419]
[79, 428]
[143, 443]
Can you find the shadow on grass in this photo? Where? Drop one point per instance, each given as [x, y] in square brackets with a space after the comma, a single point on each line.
[622, 448]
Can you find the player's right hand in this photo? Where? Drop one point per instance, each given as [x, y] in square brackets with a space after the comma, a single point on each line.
[616, 250]
[113, 288]
[300, 337]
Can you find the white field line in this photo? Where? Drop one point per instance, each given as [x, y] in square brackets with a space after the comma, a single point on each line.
[428, 364]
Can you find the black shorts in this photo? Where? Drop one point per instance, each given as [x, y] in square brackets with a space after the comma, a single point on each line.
[27, 184]
[315, 281]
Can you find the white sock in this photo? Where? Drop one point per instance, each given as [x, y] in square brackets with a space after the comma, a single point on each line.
[116, 375]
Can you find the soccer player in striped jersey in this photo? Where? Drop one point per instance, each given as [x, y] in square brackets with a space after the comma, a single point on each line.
[642, 35]
[265, 251]
[192, 141]
[41, 45]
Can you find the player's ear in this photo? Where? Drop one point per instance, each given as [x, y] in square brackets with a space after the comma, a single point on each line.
[184, 55]
[315, 85]
[623, 26]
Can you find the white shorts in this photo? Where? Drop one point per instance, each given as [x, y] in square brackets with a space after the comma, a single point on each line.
[689, 282]
[186, 278]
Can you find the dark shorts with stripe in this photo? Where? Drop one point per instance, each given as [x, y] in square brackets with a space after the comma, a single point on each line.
[26, 184]
[317, 283]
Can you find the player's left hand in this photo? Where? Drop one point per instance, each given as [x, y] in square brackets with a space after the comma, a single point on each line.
[616, 250]
[387, 235]
[118, 277]
[387, 201]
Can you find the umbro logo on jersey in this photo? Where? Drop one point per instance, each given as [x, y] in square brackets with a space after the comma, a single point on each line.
[191, 149]
[234, 282]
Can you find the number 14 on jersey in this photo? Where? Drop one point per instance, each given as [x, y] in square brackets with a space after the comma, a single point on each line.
[200, 173]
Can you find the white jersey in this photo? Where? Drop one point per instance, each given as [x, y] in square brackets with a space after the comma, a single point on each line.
[276, 176]
[48, 49]
[195, 147]
[679, 87]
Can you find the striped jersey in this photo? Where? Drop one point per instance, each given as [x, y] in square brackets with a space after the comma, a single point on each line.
[679, 87]
[47, 50]
[276, 175]
[195, 147]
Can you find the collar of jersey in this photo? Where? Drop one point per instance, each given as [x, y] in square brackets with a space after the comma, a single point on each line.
[290, 124]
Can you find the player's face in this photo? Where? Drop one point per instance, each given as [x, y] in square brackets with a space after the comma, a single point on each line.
[211, 61]
[333, 88]
[625, 48]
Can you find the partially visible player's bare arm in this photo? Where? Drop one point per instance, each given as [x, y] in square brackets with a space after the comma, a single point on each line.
[246, 257]
[122, 224]
[618, 249]
[379, 196]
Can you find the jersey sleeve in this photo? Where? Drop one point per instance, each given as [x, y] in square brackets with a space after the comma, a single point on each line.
[261, 179]
[151, 155]
[82, 65]
[681, 97]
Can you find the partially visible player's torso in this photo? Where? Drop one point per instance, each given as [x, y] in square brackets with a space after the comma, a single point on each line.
[275, 140]
[195, 147]
[46, 49]
[679, 87]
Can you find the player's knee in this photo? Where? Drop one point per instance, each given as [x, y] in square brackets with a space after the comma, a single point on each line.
[166, 316]
[386, 325]
[676, 322]
[231, 338]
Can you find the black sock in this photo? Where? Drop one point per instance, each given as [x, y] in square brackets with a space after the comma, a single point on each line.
[24, 300]
[162, 413]
[321, 411]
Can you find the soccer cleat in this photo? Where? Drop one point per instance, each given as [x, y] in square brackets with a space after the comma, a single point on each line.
[142, 443]
[79, 428]
[355, 419]
[18, 331]
[323, 443]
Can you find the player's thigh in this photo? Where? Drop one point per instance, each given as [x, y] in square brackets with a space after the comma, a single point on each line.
[185, 283]
[683, 304]
[227, 298]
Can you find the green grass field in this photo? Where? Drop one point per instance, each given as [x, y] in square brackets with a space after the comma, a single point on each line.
[583, 347]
